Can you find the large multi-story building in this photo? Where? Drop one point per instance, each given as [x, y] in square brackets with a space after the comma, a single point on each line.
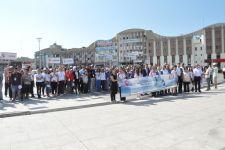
[203, 46]
[144, 46]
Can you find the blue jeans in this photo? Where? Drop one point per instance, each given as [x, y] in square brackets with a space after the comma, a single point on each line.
[98, 84]
[15, 91]
[208, 83]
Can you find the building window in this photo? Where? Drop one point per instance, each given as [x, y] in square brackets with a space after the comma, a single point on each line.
[209, 56]
[165, 59]
[189, 59]
[181, 58]
[158, 60]
[218, 56]
[173, 59]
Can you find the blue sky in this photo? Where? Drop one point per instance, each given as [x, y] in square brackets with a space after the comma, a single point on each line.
[77, 23]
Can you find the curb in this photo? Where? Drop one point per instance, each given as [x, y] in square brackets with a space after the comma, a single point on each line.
[23, 113]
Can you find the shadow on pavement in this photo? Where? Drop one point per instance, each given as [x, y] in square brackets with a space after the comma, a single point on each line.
[151, 101]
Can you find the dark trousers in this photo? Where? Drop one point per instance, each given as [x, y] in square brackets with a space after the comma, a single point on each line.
[26, 90]
[76, 85]
[32, 88]
[224, 75]
[61, 87]
[43, 88]
[186, 86]
[208, 83]
[39, 86]
[121, 98]
[180, 82]
[211, 79]
[85, 87]
[197, 84]
[8, 87]
[113, 96]
[54, 87]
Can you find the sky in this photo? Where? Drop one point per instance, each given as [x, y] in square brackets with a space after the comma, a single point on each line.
[78, 23]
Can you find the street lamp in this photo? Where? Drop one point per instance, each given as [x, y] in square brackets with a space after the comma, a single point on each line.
[39, 48]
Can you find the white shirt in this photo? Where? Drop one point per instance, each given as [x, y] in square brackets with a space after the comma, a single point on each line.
[47, 77]
[223, 69]
[165, 71]
[102, 76]
[120, 77]
[174, 74]
[98, 75]
[197, 72]
[39, 77]
[61, 75]
[54, 77]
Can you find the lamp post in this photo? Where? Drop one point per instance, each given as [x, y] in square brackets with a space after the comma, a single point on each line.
[39, 48]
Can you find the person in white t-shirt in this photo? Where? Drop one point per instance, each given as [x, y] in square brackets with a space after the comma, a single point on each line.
[197, 71]
[54, 82]
[39, 81]
[207, 77]
[61, 79]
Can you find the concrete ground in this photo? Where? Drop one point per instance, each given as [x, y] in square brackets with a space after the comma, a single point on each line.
[194, 121]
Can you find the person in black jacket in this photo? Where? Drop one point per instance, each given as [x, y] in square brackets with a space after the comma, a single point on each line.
[145, 71]
[113, 86]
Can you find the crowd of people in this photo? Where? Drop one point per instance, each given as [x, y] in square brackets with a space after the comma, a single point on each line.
[51, 82]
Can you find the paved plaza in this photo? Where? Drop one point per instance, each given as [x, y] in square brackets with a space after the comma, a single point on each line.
[194, 121]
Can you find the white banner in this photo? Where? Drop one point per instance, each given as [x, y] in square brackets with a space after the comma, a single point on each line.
[67, 61]
[54, 60]
[8, 56]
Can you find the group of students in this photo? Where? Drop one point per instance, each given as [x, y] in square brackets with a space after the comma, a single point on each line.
[189, 78]
[20, 82]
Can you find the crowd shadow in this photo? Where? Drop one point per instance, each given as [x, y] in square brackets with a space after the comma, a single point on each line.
[147, 101]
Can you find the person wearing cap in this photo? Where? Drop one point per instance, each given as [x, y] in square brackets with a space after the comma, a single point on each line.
[215, 74]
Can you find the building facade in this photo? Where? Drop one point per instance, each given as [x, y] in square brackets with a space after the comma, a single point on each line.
[144, 46]
[6, 58]
[43, 56]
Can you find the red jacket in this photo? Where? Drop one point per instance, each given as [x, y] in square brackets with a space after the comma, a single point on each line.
[69, 76]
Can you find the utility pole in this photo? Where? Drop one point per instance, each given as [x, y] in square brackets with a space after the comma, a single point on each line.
[39, 48]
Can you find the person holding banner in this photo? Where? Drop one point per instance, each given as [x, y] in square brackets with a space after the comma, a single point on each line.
[186, 79]
[121, 76]
[174, 76]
